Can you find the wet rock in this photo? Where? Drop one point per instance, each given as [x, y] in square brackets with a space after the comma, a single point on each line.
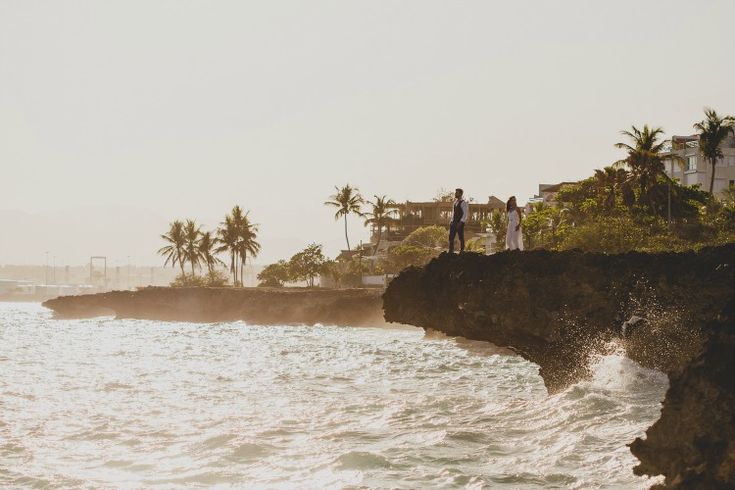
[693, 443]
[630, 326]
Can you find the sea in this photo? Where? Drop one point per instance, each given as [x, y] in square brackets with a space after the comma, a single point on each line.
[108, 403]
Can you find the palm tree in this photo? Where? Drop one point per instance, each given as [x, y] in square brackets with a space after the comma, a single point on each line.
[496, 225]
[347, 200]
[610, 182]
[207, 251]
[380, 216]
[644, 158]
[247, 243]
[237, 235]
[558, 218]
[228, 237]
[192, 234]
[238, 215]
[712, 131]
[174, 251]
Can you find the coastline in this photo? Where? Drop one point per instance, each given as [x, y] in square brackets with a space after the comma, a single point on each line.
[263, 306]
[556, 309]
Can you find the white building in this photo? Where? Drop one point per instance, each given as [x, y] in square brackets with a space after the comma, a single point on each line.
[692, 168]
[546, 195]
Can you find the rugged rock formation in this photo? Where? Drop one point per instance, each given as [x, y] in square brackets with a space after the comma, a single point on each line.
[559, 308]
[263, 306]
[693, 443]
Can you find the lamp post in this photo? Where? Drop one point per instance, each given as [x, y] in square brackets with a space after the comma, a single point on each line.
[671, 177]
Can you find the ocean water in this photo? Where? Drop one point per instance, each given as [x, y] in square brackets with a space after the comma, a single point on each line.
[105, 403]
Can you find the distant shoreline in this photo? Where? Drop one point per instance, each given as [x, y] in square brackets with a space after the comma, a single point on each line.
[262, 306]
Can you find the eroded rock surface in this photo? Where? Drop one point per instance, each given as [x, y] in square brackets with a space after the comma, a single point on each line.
[670, 311]
[693, 443]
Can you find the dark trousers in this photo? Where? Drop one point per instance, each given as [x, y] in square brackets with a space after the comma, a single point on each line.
[456, 229]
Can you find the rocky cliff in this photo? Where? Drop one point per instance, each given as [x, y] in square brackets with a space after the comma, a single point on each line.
[263, 306]
[693, 443]
[670, 311]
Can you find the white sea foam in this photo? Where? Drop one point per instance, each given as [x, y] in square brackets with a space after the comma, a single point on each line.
[131, 404]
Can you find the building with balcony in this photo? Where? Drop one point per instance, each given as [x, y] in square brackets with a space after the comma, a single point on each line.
[691, 168]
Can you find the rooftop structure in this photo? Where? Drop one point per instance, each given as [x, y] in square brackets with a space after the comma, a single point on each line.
[547, 194]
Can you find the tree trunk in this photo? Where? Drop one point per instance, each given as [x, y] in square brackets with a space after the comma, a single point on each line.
[181, 264]
[377, 245]
[713, 162]
[346, 237]
[242, 265]
[232, 269]
[193, 274]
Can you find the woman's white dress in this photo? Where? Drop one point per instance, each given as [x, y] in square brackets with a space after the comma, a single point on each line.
[513, 238]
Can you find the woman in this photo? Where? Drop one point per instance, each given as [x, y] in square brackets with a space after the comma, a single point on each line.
[513, 238]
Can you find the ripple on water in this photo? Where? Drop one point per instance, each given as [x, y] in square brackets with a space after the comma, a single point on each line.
[361, 460]
[249, 451]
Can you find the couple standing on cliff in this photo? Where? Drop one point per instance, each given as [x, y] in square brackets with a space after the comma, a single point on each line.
[460, 213]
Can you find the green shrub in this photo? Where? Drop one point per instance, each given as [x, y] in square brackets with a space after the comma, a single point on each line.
[214, 279]
[607, 234]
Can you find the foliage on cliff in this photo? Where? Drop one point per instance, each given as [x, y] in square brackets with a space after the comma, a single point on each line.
[635, 205]
[596, 218]
[213, 279]
[417, 248]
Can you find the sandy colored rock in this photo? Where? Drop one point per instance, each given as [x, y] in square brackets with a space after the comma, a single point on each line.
[262, 306]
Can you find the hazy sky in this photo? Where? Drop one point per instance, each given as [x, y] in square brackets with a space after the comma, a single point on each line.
[112, 112]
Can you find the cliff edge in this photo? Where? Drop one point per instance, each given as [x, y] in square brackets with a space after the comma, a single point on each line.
[669, 311]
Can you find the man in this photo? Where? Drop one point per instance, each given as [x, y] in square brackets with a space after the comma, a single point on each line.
[459, 218]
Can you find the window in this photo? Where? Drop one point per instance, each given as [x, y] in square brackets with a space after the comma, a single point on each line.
[691, 163]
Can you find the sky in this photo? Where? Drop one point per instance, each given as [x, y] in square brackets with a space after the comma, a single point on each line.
[118, 117]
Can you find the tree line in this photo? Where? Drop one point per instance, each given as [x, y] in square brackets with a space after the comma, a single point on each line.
[187, 243]
[633, 204]
[311, 262]
[305, 265]
[348, 200]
